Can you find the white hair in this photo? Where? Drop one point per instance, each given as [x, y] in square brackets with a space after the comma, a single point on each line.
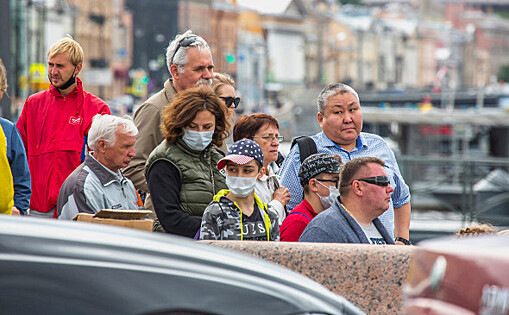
[105, 126]
[332, 90]
[180, 56]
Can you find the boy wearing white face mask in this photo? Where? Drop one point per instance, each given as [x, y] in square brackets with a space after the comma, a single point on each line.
[237, 213]
[319, 177]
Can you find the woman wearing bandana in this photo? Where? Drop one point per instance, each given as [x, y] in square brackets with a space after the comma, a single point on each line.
[181, 173]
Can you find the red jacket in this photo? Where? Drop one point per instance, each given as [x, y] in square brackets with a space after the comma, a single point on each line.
[296, 222]
[53, 128]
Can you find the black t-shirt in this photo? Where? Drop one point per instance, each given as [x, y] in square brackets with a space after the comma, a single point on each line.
[253, 226]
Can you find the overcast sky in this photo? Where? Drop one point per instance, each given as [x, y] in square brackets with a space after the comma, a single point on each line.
[265, 6]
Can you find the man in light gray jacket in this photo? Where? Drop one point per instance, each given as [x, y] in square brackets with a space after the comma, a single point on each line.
[98, 182]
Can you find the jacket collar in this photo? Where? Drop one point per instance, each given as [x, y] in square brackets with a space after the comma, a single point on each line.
[169, 90]
[104, 175]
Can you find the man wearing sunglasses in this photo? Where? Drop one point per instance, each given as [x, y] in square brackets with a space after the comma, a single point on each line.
[365, 194]
[340, 118]
[189, 61]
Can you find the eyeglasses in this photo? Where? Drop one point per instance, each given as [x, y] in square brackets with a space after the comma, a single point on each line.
[231, 101]
[376, 180]
[186, 42]
[335, 181]
[271, 138]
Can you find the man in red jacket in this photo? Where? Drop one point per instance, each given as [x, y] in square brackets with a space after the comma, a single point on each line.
[54, 124]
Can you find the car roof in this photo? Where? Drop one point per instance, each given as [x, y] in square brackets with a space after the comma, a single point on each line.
[106, 264]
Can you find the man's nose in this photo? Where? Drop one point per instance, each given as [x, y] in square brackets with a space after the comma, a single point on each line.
[390, 188]
[208, 74]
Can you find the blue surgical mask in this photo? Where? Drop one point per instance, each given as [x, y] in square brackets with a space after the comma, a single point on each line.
[331, 198]
[197, 140]
[240, 186]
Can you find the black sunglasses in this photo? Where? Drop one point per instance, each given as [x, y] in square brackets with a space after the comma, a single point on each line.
[376, 180]
[184, 43]
[231, 100]
[335, 181]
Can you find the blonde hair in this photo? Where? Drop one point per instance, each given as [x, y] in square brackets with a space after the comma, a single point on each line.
[68, 46]
[221, 79]
[477, 229]
[3, 77]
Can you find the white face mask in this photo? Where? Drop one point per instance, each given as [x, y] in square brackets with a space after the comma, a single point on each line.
[197, 140]
[240, 186]
[331, 198]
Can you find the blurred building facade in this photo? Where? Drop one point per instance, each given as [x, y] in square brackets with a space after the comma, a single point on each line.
[382, 45]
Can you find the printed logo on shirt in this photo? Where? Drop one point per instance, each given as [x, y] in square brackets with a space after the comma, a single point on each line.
[75, 120]
[377, 241]
[117, 206]
[254, 231]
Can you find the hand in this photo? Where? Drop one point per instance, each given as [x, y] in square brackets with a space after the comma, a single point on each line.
[282, 194]
[15, 211]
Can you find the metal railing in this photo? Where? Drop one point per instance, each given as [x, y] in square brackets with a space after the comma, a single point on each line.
[448, 183]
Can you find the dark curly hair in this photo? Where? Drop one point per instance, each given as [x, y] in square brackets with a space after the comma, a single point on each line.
[182, 111]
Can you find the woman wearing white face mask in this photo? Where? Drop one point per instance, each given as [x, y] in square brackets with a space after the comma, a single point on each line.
[319, 177]
[238, 213]
[181, 172]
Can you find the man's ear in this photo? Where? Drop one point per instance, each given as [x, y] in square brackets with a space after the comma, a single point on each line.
[101, 145]
[319, 116]
[312, 185]
[174, 71]
[260, 174]
[357, 188]
[78, 68]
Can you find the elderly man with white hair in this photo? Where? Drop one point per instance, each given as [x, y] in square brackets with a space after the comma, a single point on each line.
[98, 182]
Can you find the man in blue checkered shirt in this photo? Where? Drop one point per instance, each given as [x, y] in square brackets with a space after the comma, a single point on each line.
[340, 117]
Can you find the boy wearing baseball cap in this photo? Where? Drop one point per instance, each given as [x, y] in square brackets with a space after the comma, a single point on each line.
[237, 213]
[319, 177]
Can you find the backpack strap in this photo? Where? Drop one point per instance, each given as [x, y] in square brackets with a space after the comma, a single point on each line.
[307, 146]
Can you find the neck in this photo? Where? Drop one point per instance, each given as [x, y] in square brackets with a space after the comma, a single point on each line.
[68, 90]
[103, 162]
[356, 211]
[266, 166]
[314, 201]
[245, 204]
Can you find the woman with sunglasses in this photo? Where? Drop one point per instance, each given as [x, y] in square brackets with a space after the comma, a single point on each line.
[181, 172]
[264, 130]
[224, 87]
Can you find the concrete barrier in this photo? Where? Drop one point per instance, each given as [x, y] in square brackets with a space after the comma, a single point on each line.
[369, 276]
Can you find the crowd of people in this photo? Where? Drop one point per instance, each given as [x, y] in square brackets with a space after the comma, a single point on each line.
[69, 155]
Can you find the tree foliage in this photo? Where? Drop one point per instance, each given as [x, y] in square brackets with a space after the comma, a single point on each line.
[503, 73]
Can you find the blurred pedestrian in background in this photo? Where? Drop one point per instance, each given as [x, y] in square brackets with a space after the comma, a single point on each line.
[264, 130]
[16, 157]
[340, 118]
[181, 172]
[319, 177]
[54, 125]
[189, 61]
[98, 182]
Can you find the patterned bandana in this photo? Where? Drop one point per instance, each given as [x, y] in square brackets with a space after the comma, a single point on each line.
[316, 164]
[242, 152]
